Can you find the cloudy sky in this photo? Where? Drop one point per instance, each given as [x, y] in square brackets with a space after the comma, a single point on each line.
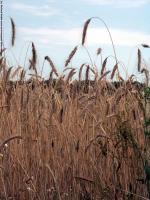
[55, 26]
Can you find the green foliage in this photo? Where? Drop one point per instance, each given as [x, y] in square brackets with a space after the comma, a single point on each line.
[147, 92]
[147, 122]
[147, 172]
[147, 133]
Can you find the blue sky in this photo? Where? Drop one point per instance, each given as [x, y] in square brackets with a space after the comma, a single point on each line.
[55, 26]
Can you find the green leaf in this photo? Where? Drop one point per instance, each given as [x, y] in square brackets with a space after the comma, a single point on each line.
[147, 122]
[147, 133]
[147, 92]
[147, 172]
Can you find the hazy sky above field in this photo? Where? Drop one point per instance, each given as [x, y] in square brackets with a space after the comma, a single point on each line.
[56, 27]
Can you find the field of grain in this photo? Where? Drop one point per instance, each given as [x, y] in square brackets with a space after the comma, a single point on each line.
[66, 139]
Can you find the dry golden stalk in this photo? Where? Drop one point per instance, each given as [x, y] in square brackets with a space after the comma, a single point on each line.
[120, 78]
[66, 69]
[80, 71]
[84, 179]
[104, 75]
[8, 140]
[8, 74]
[22, 75]
[55, 182]
[17, 70]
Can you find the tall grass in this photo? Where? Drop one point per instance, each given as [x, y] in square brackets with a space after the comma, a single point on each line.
[64, 139]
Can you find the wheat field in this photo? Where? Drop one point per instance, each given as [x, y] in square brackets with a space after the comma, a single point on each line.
[73, 139]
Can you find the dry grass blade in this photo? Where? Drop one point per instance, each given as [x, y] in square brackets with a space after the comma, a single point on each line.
[33, 61]
[92, 70]
[68, 68]
[16, 72]
[9, 139]
[52, 65]
[22, 75]
[13, 35]
[85, 31]
[84, 179]
[104, 66]
[1, 61]
[114, 70]
[80, 71]
[71, 56]
[120, 78]
[55, 182]
[133, 194]
[51, 75]
[8, 74]
[104, 75]
[36, 76]
[2, 64]
[2, 51]
[139, 60]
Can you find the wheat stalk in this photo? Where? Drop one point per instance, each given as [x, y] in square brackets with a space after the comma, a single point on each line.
[71, 56]
[13, 35]
[104, 66]
[33, 61]
[52, 65]
[85, 30]
[139, 60]
[70, 75]
[114, 70]
[87, 73]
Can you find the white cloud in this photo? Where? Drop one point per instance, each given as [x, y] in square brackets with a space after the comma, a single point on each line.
[95, 36]
[119, 3]
[44, 10]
